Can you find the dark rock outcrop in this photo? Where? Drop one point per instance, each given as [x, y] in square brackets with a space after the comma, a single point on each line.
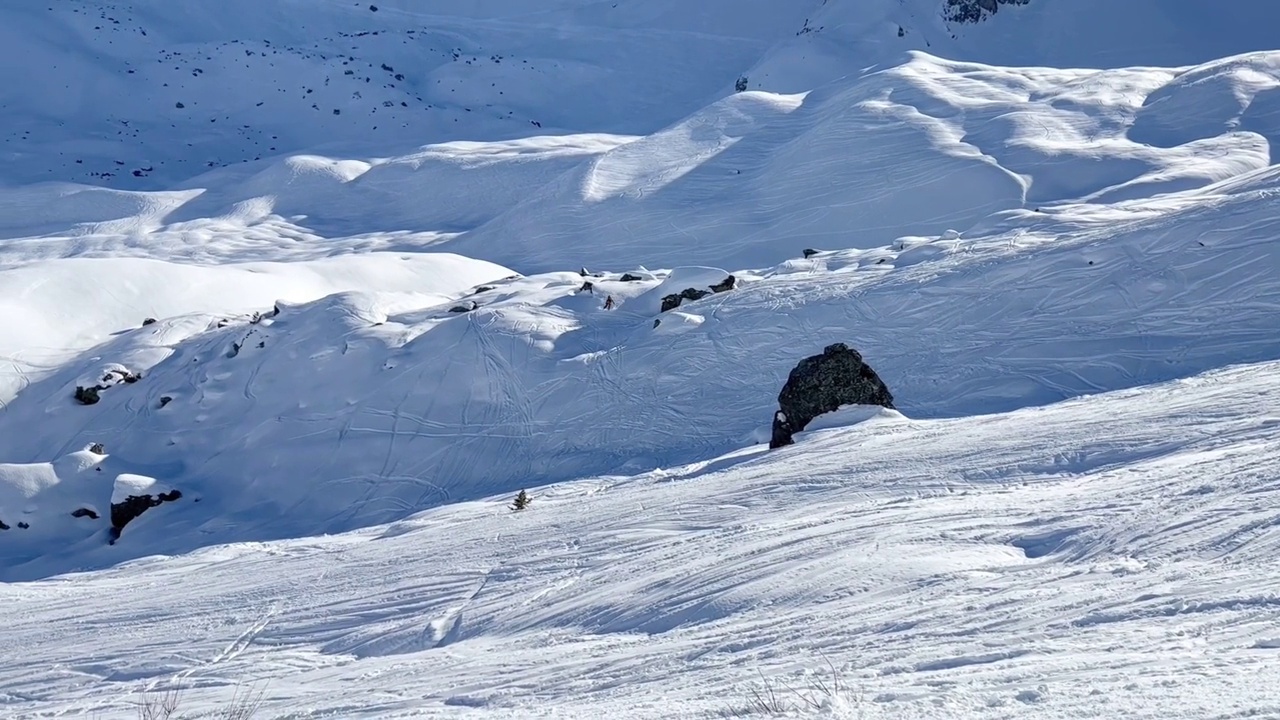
[724, 285]
[809, 252]
[98, 449]
[464, 308]
[822, 384]
[628, 277]
[122, 513]
[671, 302]
[91, 394]
[148, 321]
[84, 512]
[972, 11]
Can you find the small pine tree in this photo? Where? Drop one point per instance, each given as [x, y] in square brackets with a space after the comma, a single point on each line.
[741, 85]
[521, 502]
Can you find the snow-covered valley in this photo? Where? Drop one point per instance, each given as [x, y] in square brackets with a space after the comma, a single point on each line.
[314, 289]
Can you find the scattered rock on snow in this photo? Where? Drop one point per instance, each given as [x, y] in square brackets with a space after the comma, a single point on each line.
[87, 395]
[671, 302]
[724, 285]
[822, 384]
[91, 394]
[98, 449]
[972, 11]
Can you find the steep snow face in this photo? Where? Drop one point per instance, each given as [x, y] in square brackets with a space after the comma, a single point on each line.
[146, 93]
[143, 94]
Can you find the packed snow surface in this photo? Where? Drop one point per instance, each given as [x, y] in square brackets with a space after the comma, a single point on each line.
[1111, 556]
[337, 272]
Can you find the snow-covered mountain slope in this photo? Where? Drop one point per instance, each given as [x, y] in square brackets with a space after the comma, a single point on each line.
[391, 400]
[337, 272]
[1111, 556]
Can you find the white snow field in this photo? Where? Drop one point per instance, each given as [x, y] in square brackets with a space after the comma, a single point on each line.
[338, 272]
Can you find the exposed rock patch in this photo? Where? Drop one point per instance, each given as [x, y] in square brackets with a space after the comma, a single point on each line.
[972, 11]
[133, 496]
[91, 394]
[673, 301]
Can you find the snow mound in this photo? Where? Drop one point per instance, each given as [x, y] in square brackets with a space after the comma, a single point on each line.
[42, 499]
[50, 311]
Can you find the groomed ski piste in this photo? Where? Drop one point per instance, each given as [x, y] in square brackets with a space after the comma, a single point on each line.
[324, 264]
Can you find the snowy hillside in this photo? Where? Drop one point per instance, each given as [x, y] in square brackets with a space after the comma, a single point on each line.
[1113, 556]
[304, 292]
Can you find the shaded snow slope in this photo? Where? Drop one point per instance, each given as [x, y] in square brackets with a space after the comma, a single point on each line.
[1107, 556]
[146, 93]
[390, 401]
[919, 148]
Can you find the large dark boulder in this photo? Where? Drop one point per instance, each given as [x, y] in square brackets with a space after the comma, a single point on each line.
[822, 384]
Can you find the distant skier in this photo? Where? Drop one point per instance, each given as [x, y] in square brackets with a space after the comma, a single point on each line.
[608, 303]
